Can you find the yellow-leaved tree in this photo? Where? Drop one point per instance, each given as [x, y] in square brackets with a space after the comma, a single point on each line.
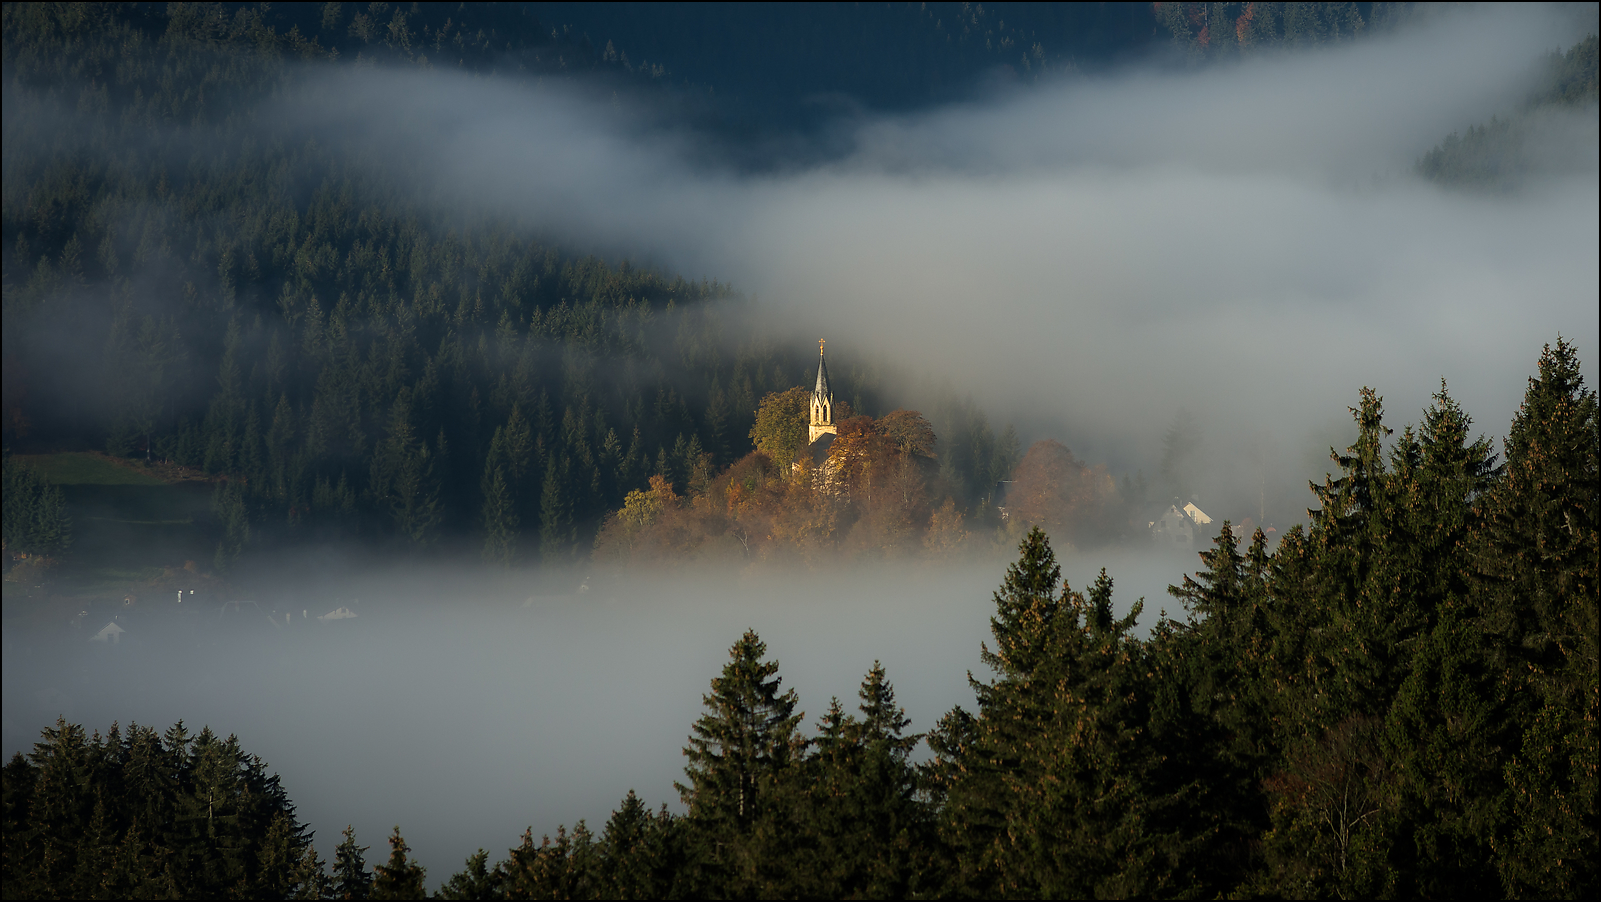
[780, 430]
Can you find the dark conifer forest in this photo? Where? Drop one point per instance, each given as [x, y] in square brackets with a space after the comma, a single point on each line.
[1400, 700]
[251, 341]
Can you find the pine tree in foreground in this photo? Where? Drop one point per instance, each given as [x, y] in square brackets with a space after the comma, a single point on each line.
[739, 752]
[1537, 558]
[401, 877]
[351, 879]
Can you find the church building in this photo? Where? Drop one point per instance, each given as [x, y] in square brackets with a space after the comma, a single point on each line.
[821, 432]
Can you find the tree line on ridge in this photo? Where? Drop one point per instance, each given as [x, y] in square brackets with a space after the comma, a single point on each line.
[1400, 699]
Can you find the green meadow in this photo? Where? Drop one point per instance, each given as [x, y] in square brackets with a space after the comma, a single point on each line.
[127, 524]
[86, 468]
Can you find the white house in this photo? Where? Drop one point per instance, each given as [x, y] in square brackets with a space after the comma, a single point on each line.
[1179, 527]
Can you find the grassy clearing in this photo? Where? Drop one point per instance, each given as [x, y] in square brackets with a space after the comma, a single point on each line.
[87, 468]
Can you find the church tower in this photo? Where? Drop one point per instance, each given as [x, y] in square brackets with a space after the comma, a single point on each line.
[822, 402]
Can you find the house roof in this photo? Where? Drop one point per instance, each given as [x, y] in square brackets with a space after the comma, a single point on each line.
[820, 448]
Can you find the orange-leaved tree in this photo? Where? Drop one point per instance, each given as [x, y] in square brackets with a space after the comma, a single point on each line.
[1061, 494]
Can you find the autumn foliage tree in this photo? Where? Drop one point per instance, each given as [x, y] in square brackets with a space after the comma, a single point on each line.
[1069, 499]
[780, 429]
[868, 495]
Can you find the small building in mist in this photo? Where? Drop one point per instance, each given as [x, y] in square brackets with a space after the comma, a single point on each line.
[1179, 527]
[109, 634]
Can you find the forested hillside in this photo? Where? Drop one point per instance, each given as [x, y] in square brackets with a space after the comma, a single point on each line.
[1505, 152]
[186, 281]
[1400, 700]
[189, 279]
[1399, 697]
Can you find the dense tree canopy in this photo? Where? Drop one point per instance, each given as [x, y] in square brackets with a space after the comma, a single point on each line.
[1398, 700]
[192, 280]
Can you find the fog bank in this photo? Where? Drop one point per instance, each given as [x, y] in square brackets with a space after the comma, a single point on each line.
[466, 707]
[1247, 242]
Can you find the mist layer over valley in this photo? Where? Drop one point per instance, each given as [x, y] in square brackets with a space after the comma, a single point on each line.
[550, 693]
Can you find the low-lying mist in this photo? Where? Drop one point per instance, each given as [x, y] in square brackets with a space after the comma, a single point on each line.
[1248, 242]
[1235, 249]
[466, 706]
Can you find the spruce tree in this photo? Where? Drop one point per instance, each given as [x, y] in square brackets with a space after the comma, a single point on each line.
[228, 503]
[278, 861]
[1227, 641]
[564, 868]
[132, 817]
[1342, 603]
[1210, 700]
[739, 752]
[499, 518]
[1449, 718]
[402, 479]
[309, 879]
[475, 881]
[556, 532]
[893, 855]
[640, 852]
[1356, 570]
[401, 877]
[35, 519]
[351, 879]
[859, 828]
[1537, 575]
[977, 753]
[1094, 812]
[1024, 607]
[1053, 789]
[627, 871]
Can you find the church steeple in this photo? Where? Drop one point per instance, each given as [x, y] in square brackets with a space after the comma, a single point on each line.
[822, 401]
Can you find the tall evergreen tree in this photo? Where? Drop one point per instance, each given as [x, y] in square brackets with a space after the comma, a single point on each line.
[500, 518]
[1212, 693]
[401, 877]
[556, 532]
[856, 801]
[351, 879]
[35, 516]
[973, 760]
[1053, 790]
[475, 881]
[403, 480]
[739, 751]
[564, 868]
[1449, 716]
[641, 852]
[1537, 569]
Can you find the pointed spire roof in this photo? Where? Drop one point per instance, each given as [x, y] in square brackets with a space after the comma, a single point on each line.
[822, 391]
